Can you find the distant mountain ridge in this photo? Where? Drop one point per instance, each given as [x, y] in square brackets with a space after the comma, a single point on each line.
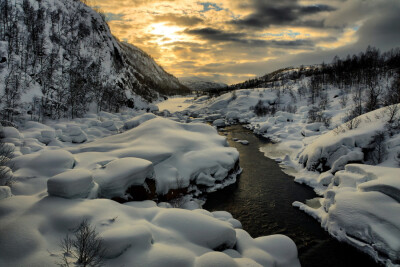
[58, 57]
[201, 84]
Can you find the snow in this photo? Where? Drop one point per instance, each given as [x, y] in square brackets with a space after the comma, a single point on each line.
[120, 174]
[174, 104]
[358, 201]
[184, 152]
[71, 184]
[243, 142]
[136, 121]
[361, 206]
[11, 132]
[58, 183]
[149, 236]
[219, 123]
[201, 84]
[45, 163]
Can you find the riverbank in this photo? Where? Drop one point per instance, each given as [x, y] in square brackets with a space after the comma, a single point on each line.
[262, 201]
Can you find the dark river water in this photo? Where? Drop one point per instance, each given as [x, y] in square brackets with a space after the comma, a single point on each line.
[262, 201]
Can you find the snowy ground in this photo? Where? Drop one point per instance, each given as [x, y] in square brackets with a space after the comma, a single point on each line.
[174, 104]
[319, 155]
[66, 171]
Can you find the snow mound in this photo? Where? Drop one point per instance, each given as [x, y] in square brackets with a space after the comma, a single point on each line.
[347, 214]
[45, 163]
[136, 121]
[181, 153]
[117, 176]
[71, 184]
[137, 236]
[11, 132]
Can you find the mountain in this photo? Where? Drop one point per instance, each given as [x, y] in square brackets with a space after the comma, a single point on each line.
[58, 58]
[366, 65]
[201, 84]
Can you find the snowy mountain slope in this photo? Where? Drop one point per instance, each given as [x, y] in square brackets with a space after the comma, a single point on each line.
[200, 84]
[63, 53]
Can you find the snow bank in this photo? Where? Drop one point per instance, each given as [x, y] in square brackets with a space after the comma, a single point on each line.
[343, 145]
[319, 155]
[361, 207]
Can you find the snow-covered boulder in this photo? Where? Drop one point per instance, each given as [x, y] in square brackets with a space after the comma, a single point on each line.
[117, 176]
[77, 135]
[136, 121]
[11, 132]
[274, 250]
[74, 134]
[76, 183]
[198, 228]
[219, 123]
[46, 136]
[243, 142]
[44, 163]
[109, 125]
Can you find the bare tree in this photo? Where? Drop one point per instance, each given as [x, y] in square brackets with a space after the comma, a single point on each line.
[379, 147]
[86, 247]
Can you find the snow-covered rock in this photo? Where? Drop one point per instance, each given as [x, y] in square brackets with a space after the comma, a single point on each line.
[243, 142]
[219, 123]
[43, 163]
[117, 176]
[11, 132]
[76, 183]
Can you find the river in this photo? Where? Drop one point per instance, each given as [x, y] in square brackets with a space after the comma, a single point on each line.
[262, 201]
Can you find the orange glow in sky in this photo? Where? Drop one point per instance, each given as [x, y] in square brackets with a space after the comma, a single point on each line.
[233, 40]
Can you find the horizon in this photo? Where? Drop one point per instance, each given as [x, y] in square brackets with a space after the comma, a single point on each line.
[233, 41]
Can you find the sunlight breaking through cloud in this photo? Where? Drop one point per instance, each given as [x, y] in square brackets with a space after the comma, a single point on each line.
[233, 32]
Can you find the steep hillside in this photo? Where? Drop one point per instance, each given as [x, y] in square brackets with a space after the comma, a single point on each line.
[58, 58]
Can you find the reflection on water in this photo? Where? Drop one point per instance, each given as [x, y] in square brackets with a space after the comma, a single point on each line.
[262, 200]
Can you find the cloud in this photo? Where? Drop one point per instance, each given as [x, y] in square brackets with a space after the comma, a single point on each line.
[280, 12]
[233, 40]
[179, 20]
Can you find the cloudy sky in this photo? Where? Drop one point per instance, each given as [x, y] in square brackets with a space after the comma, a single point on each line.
[234, 40]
